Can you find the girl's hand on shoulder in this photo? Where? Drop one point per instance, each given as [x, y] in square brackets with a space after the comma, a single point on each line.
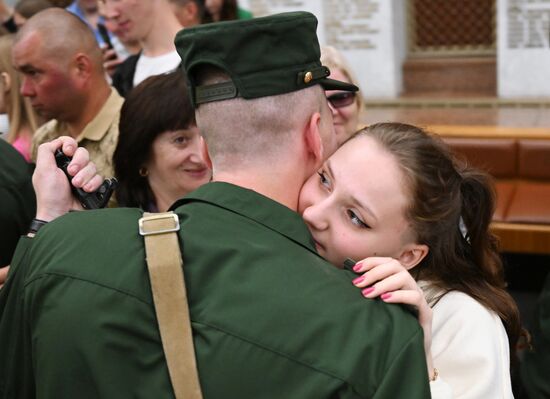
[391, 281]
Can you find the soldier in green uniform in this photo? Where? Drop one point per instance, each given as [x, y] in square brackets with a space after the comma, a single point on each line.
[17, 200]
[270, 317]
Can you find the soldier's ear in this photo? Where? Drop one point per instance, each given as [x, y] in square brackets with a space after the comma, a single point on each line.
[205, 154]
[313, 139]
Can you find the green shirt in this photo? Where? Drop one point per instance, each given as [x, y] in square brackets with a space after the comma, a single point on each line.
[17, 200]
[270, 318]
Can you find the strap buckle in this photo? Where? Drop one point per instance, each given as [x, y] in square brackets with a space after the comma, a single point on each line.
[159, 224]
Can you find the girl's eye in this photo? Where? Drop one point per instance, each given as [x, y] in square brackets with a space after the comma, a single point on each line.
[323, 179]
[356, 220]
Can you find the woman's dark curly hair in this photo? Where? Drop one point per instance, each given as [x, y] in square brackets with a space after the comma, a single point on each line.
[159, 104]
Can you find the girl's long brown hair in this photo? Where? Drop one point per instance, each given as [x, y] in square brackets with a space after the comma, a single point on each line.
[444, 191]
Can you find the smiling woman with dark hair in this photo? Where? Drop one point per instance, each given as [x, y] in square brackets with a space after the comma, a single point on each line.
[158, 158]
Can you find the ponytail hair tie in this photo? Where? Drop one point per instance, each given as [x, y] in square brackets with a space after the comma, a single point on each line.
[463, 230]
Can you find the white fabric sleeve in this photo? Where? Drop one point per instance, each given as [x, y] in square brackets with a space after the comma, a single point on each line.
[470, 348]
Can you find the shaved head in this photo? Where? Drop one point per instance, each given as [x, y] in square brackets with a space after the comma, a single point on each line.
[238, 131]
[61, 67]
[62, 35]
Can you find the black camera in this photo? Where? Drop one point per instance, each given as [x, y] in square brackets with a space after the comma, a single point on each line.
[94, 200]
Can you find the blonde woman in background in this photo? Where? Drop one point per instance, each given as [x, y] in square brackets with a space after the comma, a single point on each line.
[22, 119]
[345, 106]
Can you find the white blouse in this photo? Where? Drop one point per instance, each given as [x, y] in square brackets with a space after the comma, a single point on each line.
[469, 348]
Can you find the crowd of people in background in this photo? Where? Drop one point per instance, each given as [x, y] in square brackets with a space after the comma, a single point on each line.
[414, 220]
[71, 80]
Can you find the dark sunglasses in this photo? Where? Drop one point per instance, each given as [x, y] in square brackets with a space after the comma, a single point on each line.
[339, 100]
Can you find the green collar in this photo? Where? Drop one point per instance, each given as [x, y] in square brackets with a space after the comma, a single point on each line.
[254, 206]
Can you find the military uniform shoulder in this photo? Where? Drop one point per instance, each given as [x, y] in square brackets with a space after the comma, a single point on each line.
[94, 221]
[88, 228]
[95, 246]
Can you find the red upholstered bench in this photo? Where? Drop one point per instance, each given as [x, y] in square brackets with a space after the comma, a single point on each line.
[519, 160]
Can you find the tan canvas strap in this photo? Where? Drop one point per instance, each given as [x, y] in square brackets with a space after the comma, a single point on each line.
[167, 283]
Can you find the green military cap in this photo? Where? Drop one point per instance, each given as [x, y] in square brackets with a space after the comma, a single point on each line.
[263, 56]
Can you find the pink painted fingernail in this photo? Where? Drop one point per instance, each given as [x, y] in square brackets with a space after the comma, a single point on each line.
[367, 290]
[385, 296]
[358, 280]
[357, 267]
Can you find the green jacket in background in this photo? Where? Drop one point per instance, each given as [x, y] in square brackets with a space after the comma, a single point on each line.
[17, 200]
[535, 366]
[243, 13]
[270, 318]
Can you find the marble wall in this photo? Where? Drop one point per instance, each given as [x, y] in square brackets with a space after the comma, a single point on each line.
[523, 55]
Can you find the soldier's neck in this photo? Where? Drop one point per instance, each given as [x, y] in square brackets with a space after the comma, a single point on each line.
[282, 188]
